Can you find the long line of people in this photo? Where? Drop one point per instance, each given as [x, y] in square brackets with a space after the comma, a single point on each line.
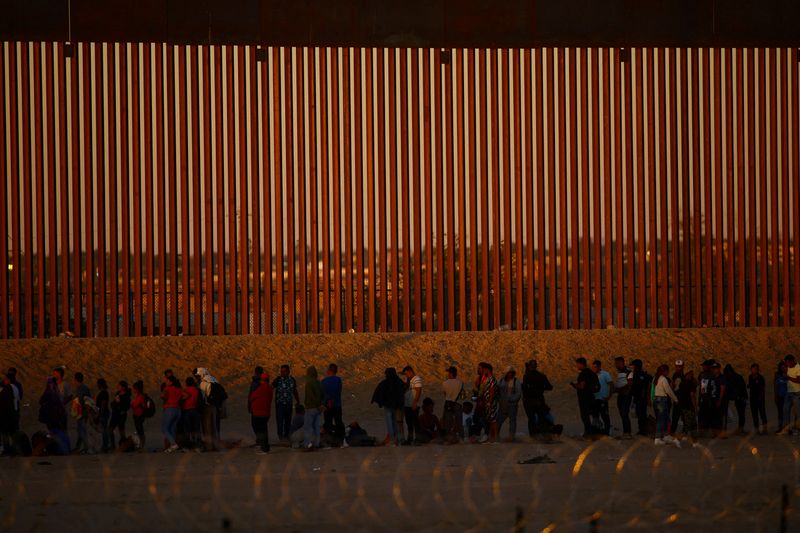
[477, 411]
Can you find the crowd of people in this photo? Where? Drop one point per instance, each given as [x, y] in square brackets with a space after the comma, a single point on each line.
[479, 410]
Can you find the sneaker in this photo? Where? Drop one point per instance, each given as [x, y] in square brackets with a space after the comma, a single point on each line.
[262, 452]
[173, 448]
[483, 439]
[659, 442]
[344, 444]
[695, 445]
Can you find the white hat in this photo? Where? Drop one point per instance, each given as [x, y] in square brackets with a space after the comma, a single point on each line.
[679, 362]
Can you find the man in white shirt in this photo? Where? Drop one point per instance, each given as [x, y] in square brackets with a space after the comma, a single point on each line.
[413, 400]
[792, 395]
[451, 417]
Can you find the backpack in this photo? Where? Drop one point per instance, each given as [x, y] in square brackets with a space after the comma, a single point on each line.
[149, 407]
[217, 395]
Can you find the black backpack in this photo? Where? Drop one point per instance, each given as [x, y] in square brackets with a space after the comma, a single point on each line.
[149, 407]
[217, 395]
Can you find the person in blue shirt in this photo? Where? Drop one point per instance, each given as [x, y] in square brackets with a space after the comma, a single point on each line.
[601, 396]
[332, 389]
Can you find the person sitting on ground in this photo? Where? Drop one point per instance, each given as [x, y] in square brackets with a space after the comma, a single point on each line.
[119, 411]
[452, 430]
[428, 424]
[389, 395]
[472, 429]
[260, 401]
[509, 392]
[296, 429]
[171, 395]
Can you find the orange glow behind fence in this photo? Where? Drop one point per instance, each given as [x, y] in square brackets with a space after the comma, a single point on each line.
[154, 189]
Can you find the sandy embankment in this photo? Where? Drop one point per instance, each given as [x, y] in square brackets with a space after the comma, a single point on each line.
[363, 357]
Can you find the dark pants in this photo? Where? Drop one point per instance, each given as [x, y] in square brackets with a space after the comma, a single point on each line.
[586, 409]
[333, 421]
[138, 428]
[624, 407]
[780, 401]
[677, 413]
[601, 407]
[537, 412]
[451, 421]
[283, 418]
[411, 416]
[759, 412]
[741, 405]
[118, 421]
[640, 404]
[261, 429]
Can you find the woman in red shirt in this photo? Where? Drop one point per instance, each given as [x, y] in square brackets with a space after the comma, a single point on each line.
[172, 395]
[138, 406]
[190, 417]
[260, 408]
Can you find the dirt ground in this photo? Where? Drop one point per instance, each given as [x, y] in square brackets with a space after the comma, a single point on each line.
[735, 483]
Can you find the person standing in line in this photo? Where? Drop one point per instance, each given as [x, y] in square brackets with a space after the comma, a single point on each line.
[9, 419]
[190, 414]
[715, 399]
[792, 395]
[171, 395]
[103, 403]
[509, 392]
[586, 385]
[211, 408]
[286, 395]
[488, 400]
[260, 402]
[781, 389]
[332, 388]
[534, 385]
[640, 394]
[53, 415]
[412, 402]
[390, 396]
[663, 398]
[315, 406]
[677, 379]
[453, 389]
[79, 410]
[622, 388]
[64, 388]
[12, 378]
[737, 393]
[686, 392]
[139, 411]
[758, 399]
[119, 411]
[255, 382]
[602, 395]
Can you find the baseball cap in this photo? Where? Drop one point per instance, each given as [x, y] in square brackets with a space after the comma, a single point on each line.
[679, 362]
